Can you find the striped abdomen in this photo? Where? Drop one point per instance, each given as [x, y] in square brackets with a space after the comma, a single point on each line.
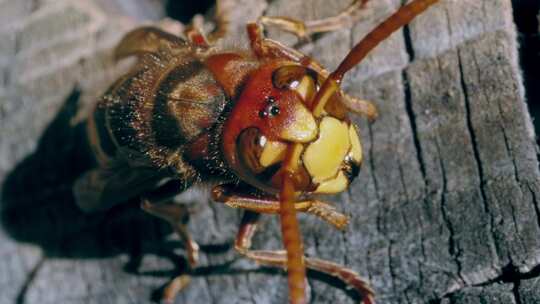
[165, 103]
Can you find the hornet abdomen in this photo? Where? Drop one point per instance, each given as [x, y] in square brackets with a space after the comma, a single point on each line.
[153, 112]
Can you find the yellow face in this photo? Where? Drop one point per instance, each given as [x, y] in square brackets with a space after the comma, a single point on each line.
[331, 153]
[334, 157]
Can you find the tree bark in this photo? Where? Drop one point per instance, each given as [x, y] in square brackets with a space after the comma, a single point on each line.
[445, 209]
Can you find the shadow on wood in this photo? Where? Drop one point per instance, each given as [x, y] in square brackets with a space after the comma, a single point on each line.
[38, 204]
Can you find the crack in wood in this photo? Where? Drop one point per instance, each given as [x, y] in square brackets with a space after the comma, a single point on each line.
[474, 142]
[453, 247]
[535, 204]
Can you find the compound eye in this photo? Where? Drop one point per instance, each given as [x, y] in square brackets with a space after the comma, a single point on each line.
[297, 78]
[257, 153]
[260, 158]
[250, 146]
[288, 77]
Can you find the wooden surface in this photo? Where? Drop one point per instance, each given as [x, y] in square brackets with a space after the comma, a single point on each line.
[445, 209]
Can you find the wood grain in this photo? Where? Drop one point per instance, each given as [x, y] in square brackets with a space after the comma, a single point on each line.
[445, 209]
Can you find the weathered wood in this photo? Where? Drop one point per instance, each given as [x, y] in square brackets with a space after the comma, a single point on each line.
[445, 209]
[495, 293]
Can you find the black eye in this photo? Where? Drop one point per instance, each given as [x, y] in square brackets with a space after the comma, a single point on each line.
[274, 110]
[271, 108]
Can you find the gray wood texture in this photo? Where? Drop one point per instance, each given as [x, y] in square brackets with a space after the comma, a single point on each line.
[445, 209]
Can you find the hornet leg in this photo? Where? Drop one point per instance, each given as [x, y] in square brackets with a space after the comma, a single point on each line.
[174, 214]
[278, 258]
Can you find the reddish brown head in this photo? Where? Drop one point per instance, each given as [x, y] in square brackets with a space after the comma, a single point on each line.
[265, 112]
[271, 113]
[287, 108]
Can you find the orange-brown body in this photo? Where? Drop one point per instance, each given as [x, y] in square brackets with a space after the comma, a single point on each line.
[165, 116]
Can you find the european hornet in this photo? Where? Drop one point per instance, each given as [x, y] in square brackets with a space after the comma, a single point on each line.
[268, 124]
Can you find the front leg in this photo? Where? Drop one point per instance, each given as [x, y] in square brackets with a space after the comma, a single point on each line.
[278, 258]
[174, 214]
[268, 204]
